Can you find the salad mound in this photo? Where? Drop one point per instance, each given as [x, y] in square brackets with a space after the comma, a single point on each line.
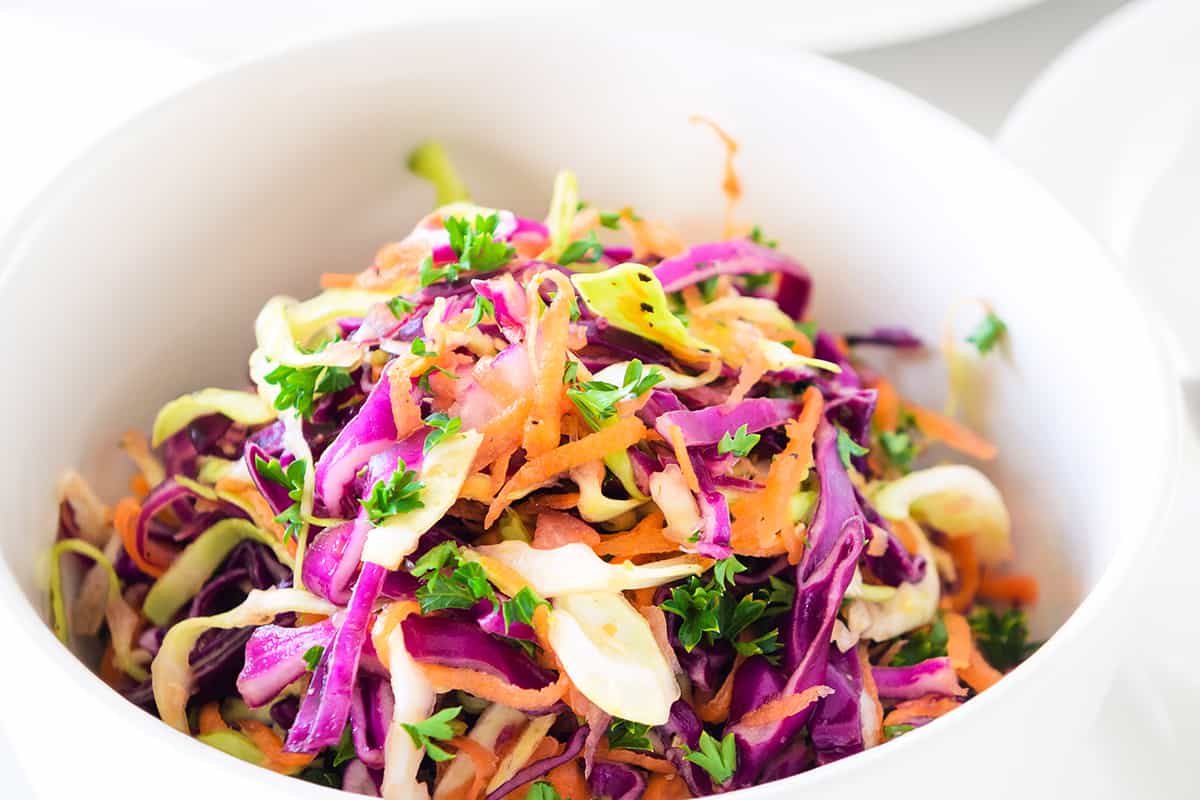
[551, 510]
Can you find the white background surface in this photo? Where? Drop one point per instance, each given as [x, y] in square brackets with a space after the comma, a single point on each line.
[975, 74]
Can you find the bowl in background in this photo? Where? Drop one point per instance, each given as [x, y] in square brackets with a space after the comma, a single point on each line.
[137, 276]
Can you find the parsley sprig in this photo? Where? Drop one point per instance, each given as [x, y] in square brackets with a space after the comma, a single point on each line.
[299, 387]
[475, 248]
[312, 657]
[711, 611]
[587, 250]
[482, 308]
[923, 643]
[447, 581]
[718, 759]
[740, 443]
[520, 607]
[597, 400]
[292, 479]
[543, 790]
[444, 426]
[848, 448]
[625, 735]
[1002, 638]
[434, 729]
[987, 334]
[398, 494]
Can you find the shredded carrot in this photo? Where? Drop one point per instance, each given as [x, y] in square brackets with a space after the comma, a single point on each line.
[642, 597]
[647, 536]
[730, 184]
[966, 563]
[551, 502]
[958, 644]
[209, 719]
[872, 692]
[502, 433]
[536, 471]
[716, 708]
[650, 238]
[125, 517]
[1016, 589]
[681, 455]
[754, 367]
[271, 745]
[547, 346]
[764, 514]
[654, 764]
[923, 708]
[337, 280]
[485, 762]
[110, 673]
[979, 674]
[786, 706]
[139, 486]
[260, 509]
[887, 406]
[395, 267]
[801, 344]
[477, 487]
[489, 687]
[555, 529]
[500, 472]
[794, 539]
[666, 787]
[406, 414]
[567, 780]
[391, 616]
[951, 433]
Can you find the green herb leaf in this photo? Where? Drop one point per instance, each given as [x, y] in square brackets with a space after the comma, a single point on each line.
[436, 728]
[756, 236]
[482, 308]
[400, 307]
[1003, 639]
[847, 447]
[521, 606]
[611, 220]
[345, 749]
[740, 443]
[899, 447]
[922, 644]
[444, 426]
[587, 250]
[292, 479]
[399, 494]
[766, 645]
[542, 790]
[312, 656]
[892, 731]
[696, 604]
[419, 348]
[718, 759]
[597, 400]
[423, 381]
[987, 333]
[725, 569]
[780, 597]
[474, 246]
[435, 559]
[462, 587]
[626, 735]
[570, 372]
[300, 386]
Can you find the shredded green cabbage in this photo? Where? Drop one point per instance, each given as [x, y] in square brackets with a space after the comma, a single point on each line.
[429, 160]
[243, 407]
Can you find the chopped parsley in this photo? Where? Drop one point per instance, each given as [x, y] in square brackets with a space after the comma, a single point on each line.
[899, 447]
[708, 613]
[299, 387]
[611, 220]
[520, 607]
[597, 400]
[444, 426]
[400, 307]
[892, 731]
[543, 790]
[987, 333]
[436, 728]
[423, 381]
[450, 582]
[572, 369]
[756, 236]
[587, 250]
[922, 644]
[482, 308]
[725, 569]
[292, 479]
[740, 443]
[626, 735]
[345, 749]
[419, 348]
[398, 494]
[475, 246]
[312, 657]
[718, 759]
[848, 448]
[1003, 639]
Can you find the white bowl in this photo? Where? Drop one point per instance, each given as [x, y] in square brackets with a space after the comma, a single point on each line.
[137, 274]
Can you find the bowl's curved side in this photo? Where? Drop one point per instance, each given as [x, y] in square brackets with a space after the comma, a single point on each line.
[260, 177]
